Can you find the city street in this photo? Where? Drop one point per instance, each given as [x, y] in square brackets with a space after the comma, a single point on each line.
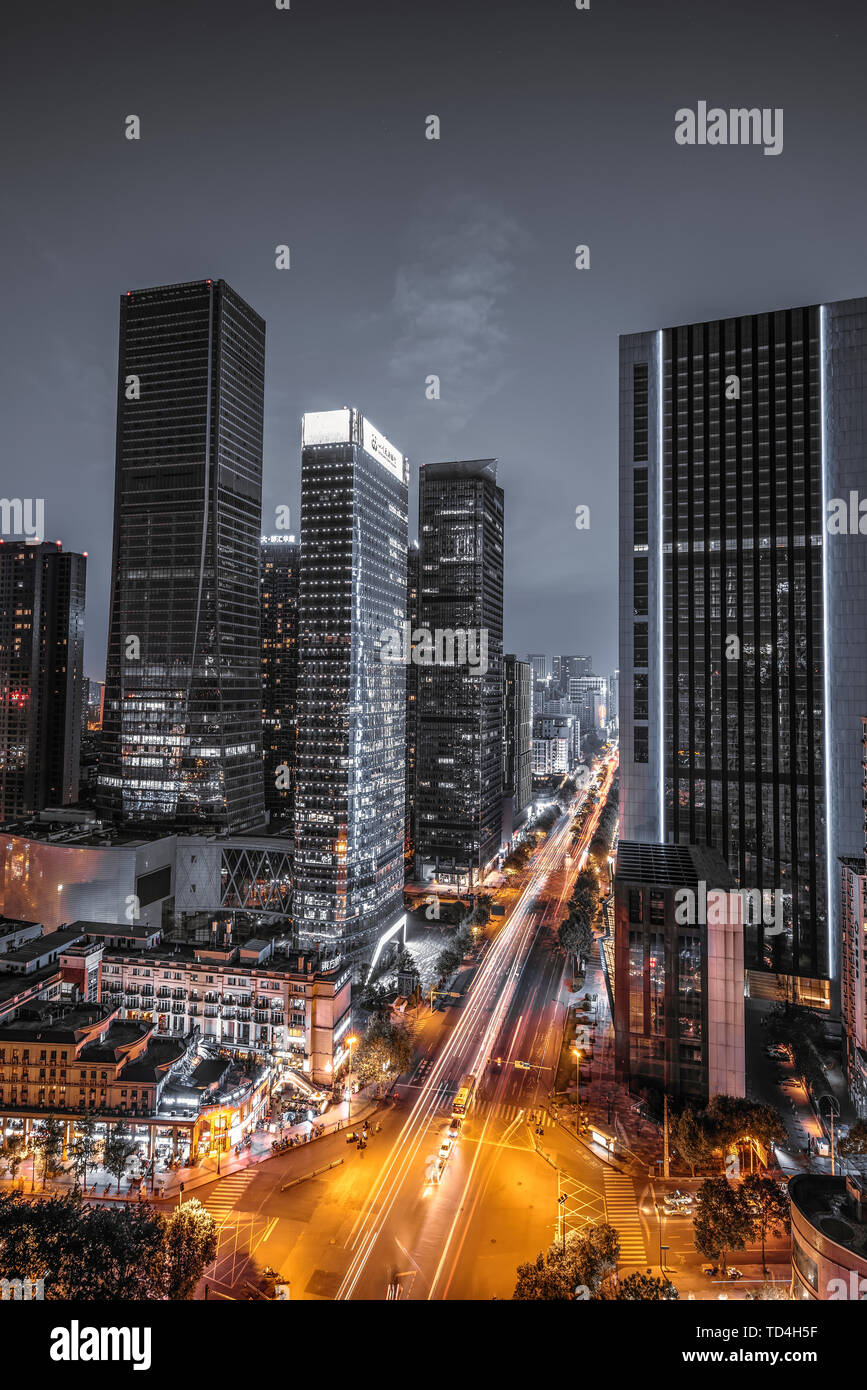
[377, 1219]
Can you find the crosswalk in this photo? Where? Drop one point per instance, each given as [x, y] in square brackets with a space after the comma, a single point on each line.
[511, 1112]
[621, 1212]
[221, 1198]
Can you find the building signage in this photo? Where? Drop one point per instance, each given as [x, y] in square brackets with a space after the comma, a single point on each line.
[326, 427]
[382, 451]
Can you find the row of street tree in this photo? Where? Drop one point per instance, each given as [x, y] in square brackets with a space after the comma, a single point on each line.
[89, 1252]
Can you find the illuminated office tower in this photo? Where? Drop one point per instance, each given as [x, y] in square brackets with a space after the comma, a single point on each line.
[459, 750]
[743, 649]
[182, 724]
[412, 575]
[351, 742]
[41, 675]
[279, 571]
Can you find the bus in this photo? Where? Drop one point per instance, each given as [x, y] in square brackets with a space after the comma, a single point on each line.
[464, 1098]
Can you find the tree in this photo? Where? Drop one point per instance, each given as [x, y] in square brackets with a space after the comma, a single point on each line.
[48, 1143]
[734, 1119]
[84, 1148]
[83, 1252]
[854, 1144]
[723, 1220]
[579, 1267]
[574, 934]
[691, 1140]
[119, 1149]
[385, 1052]
[770, 1208]
[12, 1155]
[189, 1246]
[646, 1288]
[448, 960]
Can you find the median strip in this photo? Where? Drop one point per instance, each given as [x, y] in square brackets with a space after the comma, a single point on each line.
[315, 1174]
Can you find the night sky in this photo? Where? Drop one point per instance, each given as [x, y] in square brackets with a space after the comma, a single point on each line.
[413, 257]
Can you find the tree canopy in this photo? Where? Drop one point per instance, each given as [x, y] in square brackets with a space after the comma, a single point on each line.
[97, 1254]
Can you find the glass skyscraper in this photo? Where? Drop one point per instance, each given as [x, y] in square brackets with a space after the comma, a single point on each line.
[743, 653]
[182, 725]
[351, 741]
[279, 570]
[459, 749]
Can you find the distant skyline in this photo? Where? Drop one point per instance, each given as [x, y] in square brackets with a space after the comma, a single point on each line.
[412, 257]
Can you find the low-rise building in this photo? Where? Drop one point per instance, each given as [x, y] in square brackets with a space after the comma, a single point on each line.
[829, 1237]
[66, 1060]
[292, 1007]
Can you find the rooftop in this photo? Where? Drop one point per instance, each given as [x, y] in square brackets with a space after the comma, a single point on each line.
[825, 1203]
[671, 866]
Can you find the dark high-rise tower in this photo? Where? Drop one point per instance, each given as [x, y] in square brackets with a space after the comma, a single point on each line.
[41, 675]
[459, 750]
[517, 736]
[412, 576]
[565, 667]
[182, 726]
[743, 653]
[279, 571]
[351, 748]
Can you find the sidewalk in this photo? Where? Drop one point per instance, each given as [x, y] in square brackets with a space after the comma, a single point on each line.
[167, 1184]
[640, 1141]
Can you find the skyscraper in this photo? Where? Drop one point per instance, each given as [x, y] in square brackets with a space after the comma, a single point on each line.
[412, 575]
[351, 783]
[460, 707]
[743, 653]
[182, 726]
[517, 737]
[565, 667]
[279, 572]
[41, 675]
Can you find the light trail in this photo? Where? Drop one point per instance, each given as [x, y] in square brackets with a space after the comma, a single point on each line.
[490, 993]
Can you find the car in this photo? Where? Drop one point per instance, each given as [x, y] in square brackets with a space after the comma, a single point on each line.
[732, 1273]
[709, 1270]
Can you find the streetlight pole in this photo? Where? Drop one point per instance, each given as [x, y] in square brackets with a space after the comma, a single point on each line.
[350, 1043]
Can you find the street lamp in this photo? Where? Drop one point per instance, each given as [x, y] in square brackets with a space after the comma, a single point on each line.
[350, 1043]
[577, 1054]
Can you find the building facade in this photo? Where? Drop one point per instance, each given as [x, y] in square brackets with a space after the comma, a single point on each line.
[678, 971]
[293, 1009]
[410, 832]
[743, 661]
[565, 667]
[351, 742]
[460, 706]
[57, 871]
[517, 737]
[42, 591]
[279, 581]
[182, 721]
[853, 959]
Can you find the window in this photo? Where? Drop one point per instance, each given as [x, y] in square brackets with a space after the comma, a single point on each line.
[639, 411]
[639, 585]
[639, 507]
[640, 745]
